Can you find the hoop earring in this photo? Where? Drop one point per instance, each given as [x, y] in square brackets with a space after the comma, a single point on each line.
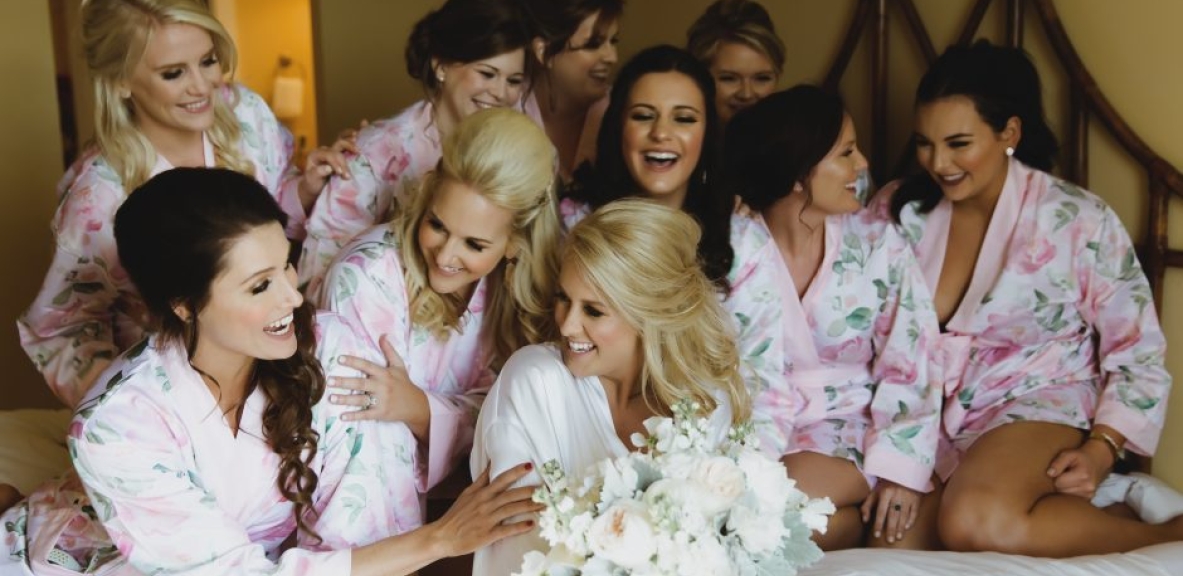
[1010, 151]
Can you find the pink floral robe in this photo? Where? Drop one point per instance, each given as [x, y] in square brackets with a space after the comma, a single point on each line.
[1058, 322]
[860, 382]
[754, 305]
[162, 486]
[87, 309]
[366, 286]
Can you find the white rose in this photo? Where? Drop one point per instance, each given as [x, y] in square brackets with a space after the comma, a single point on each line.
[767, 479]
[760, 533]
[679, 500]
[723, 484]
[623, 536]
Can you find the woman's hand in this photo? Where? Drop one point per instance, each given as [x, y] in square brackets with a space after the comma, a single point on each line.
[479, 516]
[1079, 471]
[895, 508]
[387, 392]
[325, 162]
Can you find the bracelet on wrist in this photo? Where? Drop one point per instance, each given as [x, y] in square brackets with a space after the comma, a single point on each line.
[1115, 450]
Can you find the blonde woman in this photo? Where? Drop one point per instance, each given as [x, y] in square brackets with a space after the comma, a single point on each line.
[162, 100]
[455, 284]
[737, 41]
[467, 55]
[641, 328]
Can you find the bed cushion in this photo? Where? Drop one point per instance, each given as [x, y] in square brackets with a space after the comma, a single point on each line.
[32, 446]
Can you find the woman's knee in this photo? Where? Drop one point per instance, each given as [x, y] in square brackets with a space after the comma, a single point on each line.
[982, 521]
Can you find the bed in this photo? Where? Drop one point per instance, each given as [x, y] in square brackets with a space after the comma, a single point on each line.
[32, 446]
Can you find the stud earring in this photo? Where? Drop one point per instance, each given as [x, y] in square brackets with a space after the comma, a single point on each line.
[1010, 151]
[440, 77]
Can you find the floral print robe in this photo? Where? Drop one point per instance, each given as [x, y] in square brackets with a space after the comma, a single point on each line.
[1058, 323]
[754, 304]
[162, 486]
[87, 308]
[366, 285]
[860, 382]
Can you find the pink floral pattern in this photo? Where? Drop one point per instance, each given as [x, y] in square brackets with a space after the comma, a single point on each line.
[87, 308]
[860, 383]
[366, 286]
[163, 487]
[1058, 323]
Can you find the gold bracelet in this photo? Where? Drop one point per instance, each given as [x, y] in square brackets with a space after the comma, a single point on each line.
[1110, 443]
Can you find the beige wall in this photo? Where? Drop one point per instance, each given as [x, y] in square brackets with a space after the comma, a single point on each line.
[31, 162]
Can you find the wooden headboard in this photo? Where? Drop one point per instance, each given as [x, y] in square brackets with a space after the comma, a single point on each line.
[1086, 101]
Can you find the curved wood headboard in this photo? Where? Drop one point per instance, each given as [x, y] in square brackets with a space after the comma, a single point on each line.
[1085, 102]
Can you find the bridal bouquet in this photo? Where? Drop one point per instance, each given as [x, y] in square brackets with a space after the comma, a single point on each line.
[683, 504]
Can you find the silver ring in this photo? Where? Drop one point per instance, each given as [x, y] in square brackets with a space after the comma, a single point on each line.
[371, 401]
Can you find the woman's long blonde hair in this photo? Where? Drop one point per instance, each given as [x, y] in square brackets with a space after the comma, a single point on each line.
[508, 159]
[642, 258]
[115, 34]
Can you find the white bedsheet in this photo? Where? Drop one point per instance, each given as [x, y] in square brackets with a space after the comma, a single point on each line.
[32, 450]
[1161, 560]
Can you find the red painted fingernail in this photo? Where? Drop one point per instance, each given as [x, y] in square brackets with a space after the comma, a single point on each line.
[530, 523]
[529, 465]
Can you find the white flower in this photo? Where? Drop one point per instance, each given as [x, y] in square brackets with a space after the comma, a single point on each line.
[705, 557]
[622, 535]
[534, 563]
[619, 480]
[760, 533]
[767, 479]
[722, 481]
[816, 514]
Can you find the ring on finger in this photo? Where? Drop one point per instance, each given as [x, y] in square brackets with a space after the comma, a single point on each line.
[371, 401]
[897, 506]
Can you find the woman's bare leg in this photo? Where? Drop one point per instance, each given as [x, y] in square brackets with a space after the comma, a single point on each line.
[839, 479]
[1001, 499]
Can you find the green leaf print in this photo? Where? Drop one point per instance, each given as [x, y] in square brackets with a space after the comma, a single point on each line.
[860, 318]
[836, 328]
[880, 288]
[852, 241]
[1069, 189]
[1130, 269]
[1065, 214]
[744, 320]
[838, 267]
[761, 348]
[1145, 404]
[965, 397]
[348, 286]
[63, 297]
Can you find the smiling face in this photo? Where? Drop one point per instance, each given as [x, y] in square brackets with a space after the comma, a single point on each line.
[251, 302]
[173, 86]
[664, 127]
[742, 76]
[596, 339]
[833, 182]
[490, 83]
[582, 70]
[960, 151]
[462, 237]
